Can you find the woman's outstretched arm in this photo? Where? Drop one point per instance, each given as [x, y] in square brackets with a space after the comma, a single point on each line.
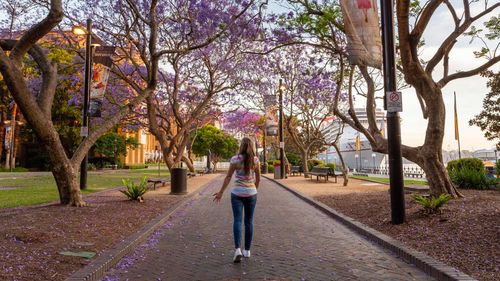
[227, 180]
[257, 176]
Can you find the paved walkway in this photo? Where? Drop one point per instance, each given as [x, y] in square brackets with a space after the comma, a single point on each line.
[292, 241]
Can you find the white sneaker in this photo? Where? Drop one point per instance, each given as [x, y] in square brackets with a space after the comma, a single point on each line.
[237, 256]
[246, 253]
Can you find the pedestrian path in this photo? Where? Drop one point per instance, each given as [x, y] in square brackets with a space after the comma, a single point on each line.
[292, 241]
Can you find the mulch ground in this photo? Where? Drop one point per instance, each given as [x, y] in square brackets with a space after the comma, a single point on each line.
[32, 237]
[466, 235]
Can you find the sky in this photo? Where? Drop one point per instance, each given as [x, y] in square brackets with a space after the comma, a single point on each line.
[470, 91]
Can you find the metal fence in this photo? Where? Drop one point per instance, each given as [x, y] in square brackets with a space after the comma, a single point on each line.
[201, 165]
[408, 172]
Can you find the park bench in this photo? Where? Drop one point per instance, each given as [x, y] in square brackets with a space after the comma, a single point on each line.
[335, 174]
[296, 170]
[322, 172]
[112, 166]
[154, 182]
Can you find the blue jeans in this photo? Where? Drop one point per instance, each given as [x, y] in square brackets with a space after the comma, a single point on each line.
[248, 204]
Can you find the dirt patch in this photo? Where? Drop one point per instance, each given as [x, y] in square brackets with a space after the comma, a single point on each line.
[465, 235]
[31, 238]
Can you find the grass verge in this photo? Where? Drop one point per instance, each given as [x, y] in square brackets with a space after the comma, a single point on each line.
[30, 189]
[386, 180]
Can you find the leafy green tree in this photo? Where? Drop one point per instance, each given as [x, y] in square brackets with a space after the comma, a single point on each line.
[113, 146]
[489, 119]
[210, 139]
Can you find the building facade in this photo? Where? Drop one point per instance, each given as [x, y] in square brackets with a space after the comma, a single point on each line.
[148, 150]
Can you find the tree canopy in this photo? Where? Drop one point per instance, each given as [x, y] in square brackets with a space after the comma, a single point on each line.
[489, 118]
[213, 141]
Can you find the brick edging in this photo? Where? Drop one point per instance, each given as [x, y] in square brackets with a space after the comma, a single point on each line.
[427, 264]
[97, 269]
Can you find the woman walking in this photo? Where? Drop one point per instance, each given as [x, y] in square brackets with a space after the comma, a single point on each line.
[243, 194]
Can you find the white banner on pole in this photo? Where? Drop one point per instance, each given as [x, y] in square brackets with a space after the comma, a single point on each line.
[361, 22]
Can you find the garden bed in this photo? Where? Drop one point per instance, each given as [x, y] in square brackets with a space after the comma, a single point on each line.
[465, 235]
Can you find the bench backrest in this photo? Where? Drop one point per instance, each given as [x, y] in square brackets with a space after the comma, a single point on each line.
[324, 170]
[295, 168]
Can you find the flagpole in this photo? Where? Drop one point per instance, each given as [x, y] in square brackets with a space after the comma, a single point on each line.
[457, 135]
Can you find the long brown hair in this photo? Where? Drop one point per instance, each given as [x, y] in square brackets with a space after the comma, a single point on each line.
[248, 153]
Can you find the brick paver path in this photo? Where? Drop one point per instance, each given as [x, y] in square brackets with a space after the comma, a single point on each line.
[292, 241]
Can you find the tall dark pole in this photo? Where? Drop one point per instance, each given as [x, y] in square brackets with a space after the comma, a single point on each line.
[264, 154]
[282, 142]
[393, 122]
[86, 99]
[208, 162]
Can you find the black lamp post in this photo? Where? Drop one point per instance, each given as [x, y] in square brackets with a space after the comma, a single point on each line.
[393, 121]
[79, 30]
[208, 162]
[281, 137]
[264, 155]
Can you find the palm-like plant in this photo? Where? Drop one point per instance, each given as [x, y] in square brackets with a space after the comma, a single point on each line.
[431, 205]
[135, 192]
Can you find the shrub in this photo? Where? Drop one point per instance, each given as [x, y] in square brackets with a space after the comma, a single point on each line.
[293, 159]
[315, 163]
[270, 169]
[431, 205]
[469, 178]
[137, 166]
[466, 163]
[16, 169]
[497, 167]
[331, 165]
[135, 192]
[469, 173]
[91, 167]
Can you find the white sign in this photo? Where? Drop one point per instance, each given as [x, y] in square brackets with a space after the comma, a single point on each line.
[394, 101]
[282, 145]
[84, 131]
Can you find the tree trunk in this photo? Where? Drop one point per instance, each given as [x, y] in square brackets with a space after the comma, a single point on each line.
[437, 176]
[15, 146]
[66, 179]
[305, 156]
[168, 160]
[345, 172]
[189, 164]
[3, 118]
[430, 159]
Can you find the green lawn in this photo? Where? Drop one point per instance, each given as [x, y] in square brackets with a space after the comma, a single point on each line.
[33, 190]
[386, 180]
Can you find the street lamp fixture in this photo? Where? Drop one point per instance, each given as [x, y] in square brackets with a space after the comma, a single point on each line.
[79, 30]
